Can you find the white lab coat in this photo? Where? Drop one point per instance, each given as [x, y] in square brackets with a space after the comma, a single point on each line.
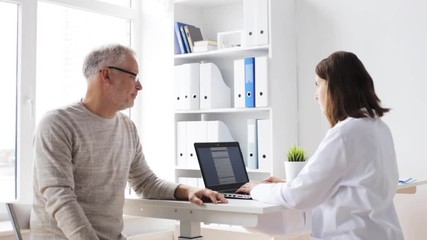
[349, 183]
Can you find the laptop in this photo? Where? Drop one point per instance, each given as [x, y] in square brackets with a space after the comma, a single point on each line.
[222, 167]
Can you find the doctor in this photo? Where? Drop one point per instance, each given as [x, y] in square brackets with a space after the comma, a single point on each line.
[350, 181]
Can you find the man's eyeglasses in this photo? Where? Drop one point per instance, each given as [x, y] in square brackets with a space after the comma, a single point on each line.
[136, 76]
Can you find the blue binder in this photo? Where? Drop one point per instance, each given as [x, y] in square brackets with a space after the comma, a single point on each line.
[250, 82]
[180, 38]
[185, 39]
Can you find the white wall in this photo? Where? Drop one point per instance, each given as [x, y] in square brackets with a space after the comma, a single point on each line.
[390, 37]
[156, 98]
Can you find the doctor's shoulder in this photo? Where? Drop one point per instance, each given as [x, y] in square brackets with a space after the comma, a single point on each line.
[348, 128]
[360, 129]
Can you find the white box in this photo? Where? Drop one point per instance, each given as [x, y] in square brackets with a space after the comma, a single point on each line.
[229, 39]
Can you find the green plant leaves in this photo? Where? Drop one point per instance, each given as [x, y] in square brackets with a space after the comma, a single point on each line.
[296, 154]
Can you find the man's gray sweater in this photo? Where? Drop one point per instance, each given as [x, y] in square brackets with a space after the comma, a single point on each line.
[82, 165]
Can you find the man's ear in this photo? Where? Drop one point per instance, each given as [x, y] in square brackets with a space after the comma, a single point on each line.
[105, 74]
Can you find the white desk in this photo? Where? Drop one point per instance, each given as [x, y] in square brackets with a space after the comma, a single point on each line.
[244, 213]
[410, 188]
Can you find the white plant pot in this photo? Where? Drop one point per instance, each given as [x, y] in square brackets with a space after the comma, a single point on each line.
[292, 169]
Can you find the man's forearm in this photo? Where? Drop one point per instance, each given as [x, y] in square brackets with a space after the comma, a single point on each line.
[182, 192]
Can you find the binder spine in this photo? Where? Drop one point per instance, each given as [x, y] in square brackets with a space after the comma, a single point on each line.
[239, 83]
[185, 40]
[252, 155]
[261, 78]
[179, 39]
[250, 82]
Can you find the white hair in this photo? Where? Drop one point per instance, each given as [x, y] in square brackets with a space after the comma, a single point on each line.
[103, 56]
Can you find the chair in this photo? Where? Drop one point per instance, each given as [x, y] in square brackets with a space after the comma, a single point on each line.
[19, 214]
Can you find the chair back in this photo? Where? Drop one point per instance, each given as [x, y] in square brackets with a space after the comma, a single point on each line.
[19, 215]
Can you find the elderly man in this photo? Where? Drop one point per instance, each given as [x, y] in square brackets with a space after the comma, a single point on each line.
[86, 152]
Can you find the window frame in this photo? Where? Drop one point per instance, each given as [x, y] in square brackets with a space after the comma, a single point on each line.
[26, 77]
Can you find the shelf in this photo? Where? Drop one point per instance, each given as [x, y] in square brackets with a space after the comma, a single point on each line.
[254, 174]
[235, 53]
[225, 110]
[279, 119]
[206, 3]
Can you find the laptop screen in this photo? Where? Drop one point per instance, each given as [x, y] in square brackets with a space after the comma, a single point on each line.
[222, 165]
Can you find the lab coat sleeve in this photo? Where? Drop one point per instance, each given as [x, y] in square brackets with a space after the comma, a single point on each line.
[317, 181]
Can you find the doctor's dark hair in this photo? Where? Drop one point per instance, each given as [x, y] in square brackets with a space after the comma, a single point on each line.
[350, 88]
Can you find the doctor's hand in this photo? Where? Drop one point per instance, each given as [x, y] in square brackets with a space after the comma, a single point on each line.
[247, 187]
[198, 195]
[273, 180]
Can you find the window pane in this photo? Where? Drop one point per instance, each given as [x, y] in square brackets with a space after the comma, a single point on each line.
[8, 50]
[64, 37]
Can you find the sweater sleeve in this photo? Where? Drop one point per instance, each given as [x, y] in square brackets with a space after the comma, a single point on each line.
[53, 160]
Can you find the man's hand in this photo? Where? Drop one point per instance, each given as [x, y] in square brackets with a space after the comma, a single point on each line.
[206, 195]
[199, 195]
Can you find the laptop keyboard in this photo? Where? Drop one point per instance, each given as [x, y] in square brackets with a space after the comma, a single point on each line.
[237, 196]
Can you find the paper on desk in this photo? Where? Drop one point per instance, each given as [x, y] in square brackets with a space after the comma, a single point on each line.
[407, 180]
[281, 223]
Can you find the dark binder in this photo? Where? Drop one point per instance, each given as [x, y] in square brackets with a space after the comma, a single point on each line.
[193, 34]
[185, 39]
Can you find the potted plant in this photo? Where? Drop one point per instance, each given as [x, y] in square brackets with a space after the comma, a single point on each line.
[295, 162]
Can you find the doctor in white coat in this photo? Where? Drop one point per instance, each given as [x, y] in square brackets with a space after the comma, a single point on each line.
[350, 181]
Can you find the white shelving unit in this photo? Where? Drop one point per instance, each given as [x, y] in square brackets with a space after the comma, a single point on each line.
[213, 16]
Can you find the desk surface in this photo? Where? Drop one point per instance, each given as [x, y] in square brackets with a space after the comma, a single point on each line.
[136, 206]
[246, 213]
[410, 188]
[233, 205]
[412, 184]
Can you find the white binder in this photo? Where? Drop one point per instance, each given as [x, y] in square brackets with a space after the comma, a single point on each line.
[239, 83]
[181, 144]
[262, 32]
[187, 86]
[217, 131]
[255, 22]
[189, 132]
[196, 132]
[179, 87]
[265, 157]
[261, 81]
[252, 154]
[214, 93]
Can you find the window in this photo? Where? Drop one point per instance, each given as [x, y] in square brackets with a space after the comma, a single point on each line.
[61, 47]
[64, 34]
[8, 63]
